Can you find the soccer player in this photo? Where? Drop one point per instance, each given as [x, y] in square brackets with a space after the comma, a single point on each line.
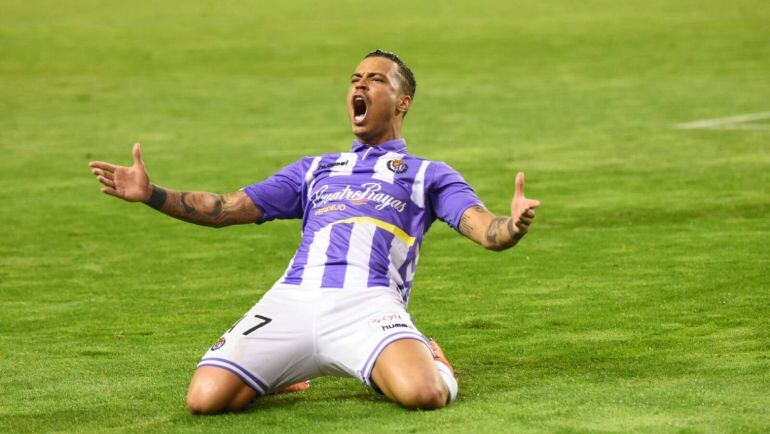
[340, 307]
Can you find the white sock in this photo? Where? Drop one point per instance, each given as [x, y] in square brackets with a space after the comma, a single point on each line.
[449, 379]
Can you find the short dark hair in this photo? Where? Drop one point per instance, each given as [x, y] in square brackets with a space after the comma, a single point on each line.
[408, 84]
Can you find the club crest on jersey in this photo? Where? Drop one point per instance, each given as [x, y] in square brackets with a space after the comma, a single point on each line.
[218, 344]
[397, 166]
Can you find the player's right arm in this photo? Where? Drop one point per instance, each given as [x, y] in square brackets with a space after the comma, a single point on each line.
[132, 184]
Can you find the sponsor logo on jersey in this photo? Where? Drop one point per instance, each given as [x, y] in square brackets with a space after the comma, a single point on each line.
[369, 191]
[389, 321]
[397, 166]
[330, 208]
[218, 344]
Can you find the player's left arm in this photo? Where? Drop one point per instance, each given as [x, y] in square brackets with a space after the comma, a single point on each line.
[500, 233]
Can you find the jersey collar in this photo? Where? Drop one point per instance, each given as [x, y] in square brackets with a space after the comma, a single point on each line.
[396, 145]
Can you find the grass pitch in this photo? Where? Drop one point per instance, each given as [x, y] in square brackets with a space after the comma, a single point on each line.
[639, 303]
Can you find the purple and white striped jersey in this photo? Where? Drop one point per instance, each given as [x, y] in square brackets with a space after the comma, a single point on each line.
[364, 214]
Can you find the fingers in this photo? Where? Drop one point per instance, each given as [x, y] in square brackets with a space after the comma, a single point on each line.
[108, 182]
[137, 152]
[103, 165]
[519, 184]
[525, 220]
[104, 173]
[110, 191]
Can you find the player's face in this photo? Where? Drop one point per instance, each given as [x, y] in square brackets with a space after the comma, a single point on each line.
[375, 101]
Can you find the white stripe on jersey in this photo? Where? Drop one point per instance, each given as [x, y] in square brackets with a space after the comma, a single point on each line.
[381, 170]
[398, 253]
[418, 187]
[309, 178]
[344, 165]
[313, 166]
[359, 253]
[316, 257]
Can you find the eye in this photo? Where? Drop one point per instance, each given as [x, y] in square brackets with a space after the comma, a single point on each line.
[378, 79]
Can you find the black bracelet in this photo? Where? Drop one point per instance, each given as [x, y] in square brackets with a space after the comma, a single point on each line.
[157, 197]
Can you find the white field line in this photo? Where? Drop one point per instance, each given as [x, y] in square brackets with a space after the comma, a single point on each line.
[740, 122]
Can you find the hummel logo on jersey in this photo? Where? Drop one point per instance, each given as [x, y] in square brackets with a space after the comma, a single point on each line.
[371, 191]
[397, 166]
[338, 163]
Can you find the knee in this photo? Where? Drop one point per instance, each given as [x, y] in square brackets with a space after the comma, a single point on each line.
[199, 403]
[425, 395]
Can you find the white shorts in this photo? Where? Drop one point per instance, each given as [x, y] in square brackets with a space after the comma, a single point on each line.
[294, 334]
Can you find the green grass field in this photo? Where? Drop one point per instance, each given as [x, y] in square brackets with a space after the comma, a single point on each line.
[640, 302]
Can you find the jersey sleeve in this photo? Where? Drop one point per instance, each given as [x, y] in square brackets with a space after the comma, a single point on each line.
[280, 196]
[450, 195]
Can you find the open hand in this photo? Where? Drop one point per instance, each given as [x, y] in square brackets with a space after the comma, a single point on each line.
[522, 209]
[128, 183]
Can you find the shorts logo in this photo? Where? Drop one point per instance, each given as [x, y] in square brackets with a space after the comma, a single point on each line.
[390, 321]
[218, 344]
[397, 166]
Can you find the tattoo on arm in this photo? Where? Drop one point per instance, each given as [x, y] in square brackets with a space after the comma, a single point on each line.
[157, 198]
[217, 211]
[494, 231]
[188, 208]
[501, 233]
[512, 233]
[207, 209]
[465, 221]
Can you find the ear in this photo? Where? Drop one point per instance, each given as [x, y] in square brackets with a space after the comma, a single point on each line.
[404, 103]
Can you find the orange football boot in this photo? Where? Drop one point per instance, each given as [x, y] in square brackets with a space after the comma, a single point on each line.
[298, 387]
[438, 354]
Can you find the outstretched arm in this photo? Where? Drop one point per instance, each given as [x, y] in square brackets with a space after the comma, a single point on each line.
[500, 233]
[132, 184]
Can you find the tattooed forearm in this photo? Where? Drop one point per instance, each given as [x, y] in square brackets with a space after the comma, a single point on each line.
[188, 208]
[207, 209]
[157, 198]
[496, 230]
[217, 211]
[501, 234]
[466, 225]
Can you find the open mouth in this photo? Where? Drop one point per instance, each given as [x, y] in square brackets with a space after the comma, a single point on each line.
[359, 108]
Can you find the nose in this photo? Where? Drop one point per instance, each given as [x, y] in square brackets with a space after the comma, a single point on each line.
[361, 85]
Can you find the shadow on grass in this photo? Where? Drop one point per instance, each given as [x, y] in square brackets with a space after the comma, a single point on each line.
[289, 400]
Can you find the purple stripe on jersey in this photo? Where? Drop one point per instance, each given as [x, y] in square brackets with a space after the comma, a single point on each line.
[294, 275]
[366, 372]
[237, 374]
[408, 268]
[245, 371]
[402, 271]
[339, 244]
[380, 259]
[406, 293]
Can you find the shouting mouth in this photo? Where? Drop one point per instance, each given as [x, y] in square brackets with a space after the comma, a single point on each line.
[359, 108]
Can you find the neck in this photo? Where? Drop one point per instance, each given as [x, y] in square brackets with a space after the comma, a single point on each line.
[392, 132]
